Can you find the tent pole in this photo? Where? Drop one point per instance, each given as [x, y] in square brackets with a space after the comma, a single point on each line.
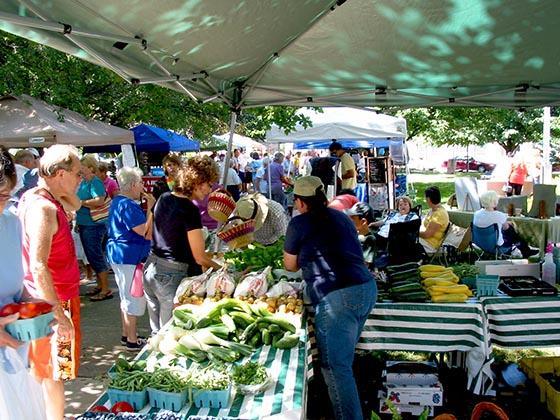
[232, 121]
[546, 169]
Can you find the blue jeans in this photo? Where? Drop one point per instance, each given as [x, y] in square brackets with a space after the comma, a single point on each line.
[161, 280]
[92, 237]
[339, 319]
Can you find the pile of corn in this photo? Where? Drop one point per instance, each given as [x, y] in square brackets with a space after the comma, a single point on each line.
[441, 284]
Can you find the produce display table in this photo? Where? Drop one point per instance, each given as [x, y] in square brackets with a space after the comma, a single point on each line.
[284, 399]
[523, 322]
[537, 232]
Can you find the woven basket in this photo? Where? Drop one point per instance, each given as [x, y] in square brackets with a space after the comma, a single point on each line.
[237, 234]
[220, 206]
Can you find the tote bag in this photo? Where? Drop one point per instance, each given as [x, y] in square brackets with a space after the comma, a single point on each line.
[101, 213]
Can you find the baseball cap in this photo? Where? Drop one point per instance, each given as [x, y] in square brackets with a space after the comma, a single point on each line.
[307, 186]
[362, 210]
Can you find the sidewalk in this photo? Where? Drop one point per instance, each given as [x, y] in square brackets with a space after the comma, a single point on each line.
[101, 332]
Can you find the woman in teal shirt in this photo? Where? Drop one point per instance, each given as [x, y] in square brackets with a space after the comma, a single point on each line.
[93, 234]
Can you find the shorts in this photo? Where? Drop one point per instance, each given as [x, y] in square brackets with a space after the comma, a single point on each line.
[248, 177]
[41, 361]
[124, 273]
[241, 176]
[92, 237]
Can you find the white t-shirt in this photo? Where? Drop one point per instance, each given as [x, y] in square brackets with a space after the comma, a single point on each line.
[484, 218]
[232, 177]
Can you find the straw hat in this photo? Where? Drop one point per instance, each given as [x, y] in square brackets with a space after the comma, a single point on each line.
[252, 206]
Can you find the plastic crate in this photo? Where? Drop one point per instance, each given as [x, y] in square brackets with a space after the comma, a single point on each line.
[469, 281]
[31, 329]
[553, 400]
[138, 399]
[534, 366]
[167, 400]
[210, 399]
[487, 285]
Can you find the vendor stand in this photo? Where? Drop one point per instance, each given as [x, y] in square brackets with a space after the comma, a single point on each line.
[537, 232]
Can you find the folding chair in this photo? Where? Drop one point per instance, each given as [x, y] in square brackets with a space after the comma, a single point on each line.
[402, 244]
[484, 242]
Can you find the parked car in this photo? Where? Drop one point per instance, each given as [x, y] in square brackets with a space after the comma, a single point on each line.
[474, 165]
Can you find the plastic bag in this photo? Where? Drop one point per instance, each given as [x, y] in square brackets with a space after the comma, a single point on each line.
[254, 284]
[282, 288]
[220, 281]
[21, 396]
[195, 285]
[137, 286]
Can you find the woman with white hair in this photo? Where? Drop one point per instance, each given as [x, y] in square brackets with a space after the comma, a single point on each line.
[127, 247]
[507, 236]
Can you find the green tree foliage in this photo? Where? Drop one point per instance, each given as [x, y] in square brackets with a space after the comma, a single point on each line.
[474, 126]
[97, 93]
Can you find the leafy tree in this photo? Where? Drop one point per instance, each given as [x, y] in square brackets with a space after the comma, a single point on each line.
[475, 126]
[97, 93]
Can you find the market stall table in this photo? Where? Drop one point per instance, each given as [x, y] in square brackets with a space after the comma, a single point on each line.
[523, 322]
[285, 399]
[537, 232]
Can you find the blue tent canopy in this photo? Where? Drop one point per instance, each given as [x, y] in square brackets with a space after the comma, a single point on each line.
[347, 143]
[148, 138]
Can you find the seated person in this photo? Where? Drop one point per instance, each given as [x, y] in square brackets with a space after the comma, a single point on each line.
[435, 223]
[507, 236]
[402, 214]
[344, 200]
[362, 216]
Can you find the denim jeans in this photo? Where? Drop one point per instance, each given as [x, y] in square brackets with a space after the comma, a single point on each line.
[92, 237]
[161, 279]
[339, 319]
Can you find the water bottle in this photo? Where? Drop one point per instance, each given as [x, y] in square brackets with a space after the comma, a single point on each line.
[549, 269]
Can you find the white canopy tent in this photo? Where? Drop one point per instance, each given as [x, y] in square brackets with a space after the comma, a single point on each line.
[241, 141]
[26, 121]
[342, 124]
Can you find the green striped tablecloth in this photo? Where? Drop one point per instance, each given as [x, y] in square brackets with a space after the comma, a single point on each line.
[427, 327]
[523, 322]
[285, 399]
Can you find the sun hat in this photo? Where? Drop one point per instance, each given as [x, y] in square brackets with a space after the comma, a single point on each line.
[252, 207]
[220, 205]
[307, 186]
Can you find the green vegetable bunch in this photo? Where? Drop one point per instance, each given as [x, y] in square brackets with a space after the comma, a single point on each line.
[257, 256]
[123, 365]
[465, 270]
[131, 381]
[168, 381]
[251, 373]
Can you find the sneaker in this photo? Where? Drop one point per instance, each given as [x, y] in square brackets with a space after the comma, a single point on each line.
[124, 339]
[141, 342]
[516, 253]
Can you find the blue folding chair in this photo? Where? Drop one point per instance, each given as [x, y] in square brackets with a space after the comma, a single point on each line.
[484, 241]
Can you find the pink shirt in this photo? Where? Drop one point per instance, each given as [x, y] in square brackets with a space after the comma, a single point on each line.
[62, 262]
[343, 202]
[111, 186]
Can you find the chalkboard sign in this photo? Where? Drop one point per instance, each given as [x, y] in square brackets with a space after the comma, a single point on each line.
[377, 170]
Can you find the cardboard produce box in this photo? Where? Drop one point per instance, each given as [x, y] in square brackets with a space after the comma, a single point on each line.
[414, 410]
[411, 373]
[415, 394]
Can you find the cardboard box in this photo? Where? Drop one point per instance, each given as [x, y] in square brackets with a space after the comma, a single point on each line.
[415, 394]
[509, 268]
[414, 410]
[411, 373]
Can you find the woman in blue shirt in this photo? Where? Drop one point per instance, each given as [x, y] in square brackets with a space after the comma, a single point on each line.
[93, 234]
[324, 243]
[127, 247]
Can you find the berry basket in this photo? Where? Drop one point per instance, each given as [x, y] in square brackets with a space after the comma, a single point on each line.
[137, 399]
[173, 401]
[487, 285]
[237, 233]
[220, 206]
[31, 329]
[210, 399]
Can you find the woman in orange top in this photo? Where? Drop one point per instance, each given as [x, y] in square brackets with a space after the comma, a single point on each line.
[517, 177]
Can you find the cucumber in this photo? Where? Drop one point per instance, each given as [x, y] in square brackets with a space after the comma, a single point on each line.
[402, 267]
[411, 287]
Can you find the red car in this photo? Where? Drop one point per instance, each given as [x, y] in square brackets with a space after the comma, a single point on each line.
[474, 165]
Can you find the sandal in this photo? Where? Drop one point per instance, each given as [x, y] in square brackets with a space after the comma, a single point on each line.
[94, 291]
[102, 296]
